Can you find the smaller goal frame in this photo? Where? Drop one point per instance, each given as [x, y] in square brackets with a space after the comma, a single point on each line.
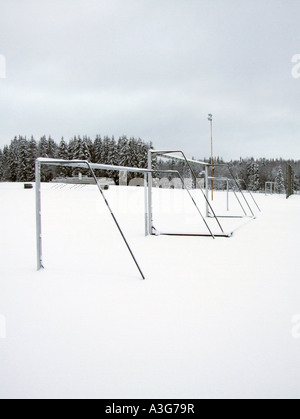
[232, 183]
[272, 187]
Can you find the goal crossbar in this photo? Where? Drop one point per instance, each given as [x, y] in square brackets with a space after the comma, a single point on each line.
[83, 164]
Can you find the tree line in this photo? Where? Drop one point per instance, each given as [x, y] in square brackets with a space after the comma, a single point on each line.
[17, 160]
[254, 173]
[251, 173]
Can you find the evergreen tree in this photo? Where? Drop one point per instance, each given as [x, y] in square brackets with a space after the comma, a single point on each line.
[133, 152]
[123, 151]
[143, 154]
[71, 147]
[43, 147]
[5, 164]
[105, 150]
[112, 159]
[63, 153]
[279, 181]
[98, 149]
[81, 152]
[22, 167]
[1, 165]
[98, 153]
[51, 149]
[13, 160]
[90, 147]
[31, 157]
[242, 174]
[263, 173]
[112, 152]
[253, 176]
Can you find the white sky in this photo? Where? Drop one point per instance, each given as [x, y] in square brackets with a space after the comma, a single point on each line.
[154, 69]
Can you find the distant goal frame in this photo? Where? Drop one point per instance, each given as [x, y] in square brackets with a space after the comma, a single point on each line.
[210, 213]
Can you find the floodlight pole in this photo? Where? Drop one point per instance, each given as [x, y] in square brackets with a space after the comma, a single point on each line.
[210, 118]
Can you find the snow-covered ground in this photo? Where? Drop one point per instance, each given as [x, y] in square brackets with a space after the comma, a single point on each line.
[214, 319]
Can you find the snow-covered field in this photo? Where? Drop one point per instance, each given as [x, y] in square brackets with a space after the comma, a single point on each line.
[214, 319]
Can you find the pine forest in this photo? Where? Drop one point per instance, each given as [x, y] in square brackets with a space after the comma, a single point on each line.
[17, 161]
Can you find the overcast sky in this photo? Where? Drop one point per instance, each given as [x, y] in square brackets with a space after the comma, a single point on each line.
[154, 69]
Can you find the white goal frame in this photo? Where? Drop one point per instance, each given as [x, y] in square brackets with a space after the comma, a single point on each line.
[272, 187]
[173, 154]
[232, 184]
[84, 164]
